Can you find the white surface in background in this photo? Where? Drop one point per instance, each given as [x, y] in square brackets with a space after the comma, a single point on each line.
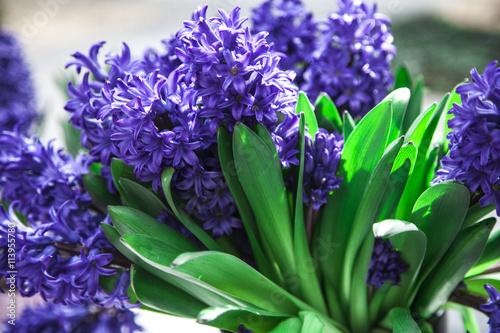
[154, 322]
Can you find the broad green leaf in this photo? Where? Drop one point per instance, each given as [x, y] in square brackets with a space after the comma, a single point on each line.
[475, 284]
[156, 258]
[399, 99]
[121, 170]
[262, 182]
[336, 311]
[411, 244]
[209, 242]
[462, 255]
[132, 221]
[325, 108]
[402, 78]
[162, 296]
[311, 322]
[263, 133]
[366, 213]
[439, 213]
[414, 105]
[359, 314]
[417, 182]
[455, 99]
[348, 125]
[98, 190]
[303, 105]
[490, 255]
[230, 317]
[362, 152]
[403, 322]
[143, 198]
[477, 213]
[309, 282]
[114, 238]
[235, 277]
[291, 325]
[225, 149]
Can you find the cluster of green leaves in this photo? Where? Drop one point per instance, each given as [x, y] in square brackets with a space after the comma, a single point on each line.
[310, 273]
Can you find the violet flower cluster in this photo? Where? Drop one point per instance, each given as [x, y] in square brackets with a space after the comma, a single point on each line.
[61, 251]
[492, 306]
[163, 111]
[385, 265]
[59, 318]
[17, 97]
[347, 56]
[474, 149]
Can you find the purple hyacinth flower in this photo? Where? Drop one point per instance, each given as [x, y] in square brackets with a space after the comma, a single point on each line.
[492, 306]
[474, 149]
[386, 264]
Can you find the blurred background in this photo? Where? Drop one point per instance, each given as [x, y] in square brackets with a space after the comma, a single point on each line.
[439, 39]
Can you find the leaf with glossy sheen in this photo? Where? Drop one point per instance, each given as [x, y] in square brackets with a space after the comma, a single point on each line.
[263, 133]
[403, 322]
[162, 296]
[156, 257]
[235, 277]
[311, 322]
[225, 150]
[414, 105]
[309, 282]
[262, 182]
[451, 269]
[475, 284]
[132, 221]
[291, 325]
[121, 170]
[325, 108]
[348, 125]
[399, 99]
[230, 317]
[97, 188]
[402, 78]
[362, 152]
[490, 255]
[303, 105]
[366, 213]
[209, 242]
[143, 198]
[439, 213]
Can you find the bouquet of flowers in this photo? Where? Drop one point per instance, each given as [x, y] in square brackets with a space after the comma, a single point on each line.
[272, 178]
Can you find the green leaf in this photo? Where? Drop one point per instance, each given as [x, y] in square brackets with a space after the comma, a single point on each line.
[414, 105]
[403, 322]
[451, 269]
[98, 190]
[411, 244]
[348, 125]
[262, 182]
[402, 78]
[477, 213]
[309, 282]
[162, 296]
[325, 108]
[263, 133]
[490, 255]
[400, 99]
[192, 226]
[114, 238]
[311, 322]
[362, 152]
[439, 213]
[131, 221]
[303, 105]
[121, 170]
[143, 198]
[156, 257]
[455, 99]
[291, 325]
[475, 284]
[235, 277]
[225, 150]
[366, 213]
[359, 314]
[230, 317]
